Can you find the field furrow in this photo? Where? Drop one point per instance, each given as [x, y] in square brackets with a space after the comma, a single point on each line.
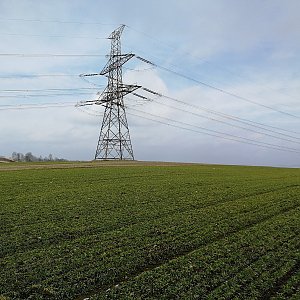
[149, 232]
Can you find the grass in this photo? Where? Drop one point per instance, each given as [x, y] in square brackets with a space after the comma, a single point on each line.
[149, 232]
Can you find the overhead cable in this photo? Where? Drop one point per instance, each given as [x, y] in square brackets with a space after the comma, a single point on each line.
[229, 124]
[56, 21]
[205, 60]
[41, 55]
[46, 90]
[275, 147]
[227, 116]
[54, 36]
[218, 89]
[36, 105]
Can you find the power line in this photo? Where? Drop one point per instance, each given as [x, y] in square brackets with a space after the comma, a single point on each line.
[36, 105]
[234, 118]
[226, 116]
[233, 137]
[139, 70]
[41, 55]
[229, 124]
[214, 135]
[216, 88]
[56, 21]
[205, 60]
[46, 90]
[220, 134]
[142, 33]
[220, 121]
[93, 113]
[219, 114]
[89, 82]
[53, 36]
[16, 76]
[150, 37]
[42, 95]
[224, 135]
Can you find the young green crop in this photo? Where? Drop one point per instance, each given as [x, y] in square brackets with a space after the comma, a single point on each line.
[149, 232]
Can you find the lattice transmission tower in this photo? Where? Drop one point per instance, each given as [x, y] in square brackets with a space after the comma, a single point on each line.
[114, 139]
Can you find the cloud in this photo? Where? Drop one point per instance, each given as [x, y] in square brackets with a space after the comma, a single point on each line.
[250, 49]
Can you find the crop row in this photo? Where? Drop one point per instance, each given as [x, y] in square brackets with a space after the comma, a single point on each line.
[70, 233]
[241, 266]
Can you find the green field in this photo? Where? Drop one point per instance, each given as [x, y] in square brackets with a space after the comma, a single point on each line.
[76, 231]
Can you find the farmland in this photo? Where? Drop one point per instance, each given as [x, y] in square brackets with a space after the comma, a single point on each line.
[149, 231]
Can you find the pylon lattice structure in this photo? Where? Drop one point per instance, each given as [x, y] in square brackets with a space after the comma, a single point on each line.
[114, 140]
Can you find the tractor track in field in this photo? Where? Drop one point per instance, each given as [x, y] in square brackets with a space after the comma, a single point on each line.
[159, 225]
[181, 254]
[71, 165]
[272, 291]
[74, 236]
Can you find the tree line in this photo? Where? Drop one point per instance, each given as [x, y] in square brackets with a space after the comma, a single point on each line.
[29, 157]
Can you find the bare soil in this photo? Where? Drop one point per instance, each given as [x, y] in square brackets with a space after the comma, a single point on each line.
[84, 164]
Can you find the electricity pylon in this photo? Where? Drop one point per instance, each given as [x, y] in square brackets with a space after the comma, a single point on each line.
[114, 140]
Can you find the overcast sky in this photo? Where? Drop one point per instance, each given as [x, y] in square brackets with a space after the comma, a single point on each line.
[246, 48]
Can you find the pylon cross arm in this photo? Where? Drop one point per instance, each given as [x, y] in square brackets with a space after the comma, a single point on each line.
[111, 96]
[116, 61]
[118, 92]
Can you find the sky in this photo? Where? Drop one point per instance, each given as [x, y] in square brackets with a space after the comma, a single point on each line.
[231, 69]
